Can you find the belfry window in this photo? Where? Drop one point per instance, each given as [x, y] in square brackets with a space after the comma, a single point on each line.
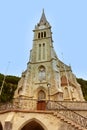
[41, 34]
[38, 35]
[44, 34]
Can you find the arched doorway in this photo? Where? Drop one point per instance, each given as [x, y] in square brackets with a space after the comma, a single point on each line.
[41, 104]
[1, 126]
[33, 125]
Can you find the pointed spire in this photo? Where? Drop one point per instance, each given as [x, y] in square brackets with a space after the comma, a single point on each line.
[43, 19]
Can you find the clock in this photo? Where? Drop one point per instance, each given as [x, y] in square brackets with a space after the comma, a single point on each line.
[41, 26]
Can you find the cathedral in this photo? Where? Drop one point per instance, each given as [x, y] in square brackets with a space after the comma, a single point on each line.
[48, 96]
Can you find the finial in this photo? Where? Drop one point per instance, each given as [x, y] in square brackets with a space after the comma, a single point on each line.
[43, 10]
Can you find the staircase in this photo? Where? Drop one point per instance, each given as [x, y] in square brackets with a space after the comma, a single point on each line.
[74, 120]
[68, 121]
[68, 116]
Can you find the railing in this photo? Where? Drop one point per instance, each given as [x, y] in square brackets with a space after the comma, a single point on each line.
[68, 113]
[27, 103]
[19, 104]
[75, 105]
[57, 106]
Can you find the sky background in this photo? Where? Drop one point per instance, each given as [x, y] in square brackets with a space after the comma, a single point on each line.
[68, 19]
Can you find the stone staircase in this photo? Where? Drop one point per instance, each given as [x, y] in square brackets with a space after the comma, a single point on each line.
[68, 121]
[68, 116]
[74, 120]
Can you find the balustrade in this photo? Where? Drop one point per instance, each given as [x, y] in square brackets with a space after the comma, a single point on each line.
[68, 113]
[31, 104]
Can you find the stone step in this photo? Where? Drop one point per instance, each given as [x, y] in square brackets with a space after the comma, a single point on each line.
[78, 127]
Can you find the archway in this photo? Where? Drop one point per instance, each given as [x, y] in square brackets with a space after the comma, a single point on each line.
[1, 126]
[33, 125]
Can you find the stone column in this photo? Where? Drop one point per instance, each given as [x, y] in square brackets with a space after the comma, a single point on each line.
[8, 121]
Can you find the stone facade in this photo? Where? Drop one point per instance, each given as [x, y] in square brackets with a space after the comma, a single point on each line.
[44, 70]
[48, 97]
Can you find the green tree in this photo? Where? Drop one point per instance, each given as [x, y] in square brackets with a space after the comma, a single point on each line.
[83, 84]
[9, 87]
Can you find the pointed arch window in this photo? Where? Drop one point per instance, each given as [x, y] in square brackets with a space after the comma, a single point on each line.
[63, 80]
[42, 73]
[39, 53]
[41, 34]
[44, 34]
[38, 35]
[41, 95]
[43, 51]
[66, 93]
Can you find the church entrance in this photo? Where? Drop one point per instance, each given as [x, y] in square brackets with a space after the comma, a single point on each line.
[41, 104]
[33, 125]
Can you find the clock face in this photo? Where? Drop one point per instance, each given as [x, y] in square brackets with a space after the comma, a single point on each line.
[41, 27]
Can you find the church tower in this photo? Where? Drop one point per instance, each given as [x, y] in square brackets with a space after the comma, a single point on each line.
[46, 77]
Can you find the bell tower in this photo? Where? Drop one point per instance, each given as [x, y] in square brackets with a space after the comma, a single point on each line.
[42, 41]
[42, 74]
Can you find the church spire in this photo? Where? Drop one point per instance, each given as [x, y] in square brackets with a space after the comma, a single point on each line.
[43, 19]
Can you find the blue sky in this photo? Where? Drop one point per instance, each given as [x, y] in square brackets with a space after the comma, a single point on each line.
[68, 19]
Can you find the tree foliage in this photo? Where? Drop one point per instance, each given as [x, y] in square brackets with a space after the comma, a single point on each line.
[8, 88]
[83, 84]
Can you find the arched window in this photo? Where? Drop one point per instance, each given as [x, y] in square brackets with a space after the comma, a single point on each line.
[66, 94]
[44, 34]
[63, 80]
[41, 95]
[41, 34]
[42, 73]
[43, 50]
[39, 53]
[38, 35]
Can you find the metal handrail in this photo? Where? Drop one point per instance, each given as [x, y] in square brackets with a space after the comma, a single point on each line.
[68, 113]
